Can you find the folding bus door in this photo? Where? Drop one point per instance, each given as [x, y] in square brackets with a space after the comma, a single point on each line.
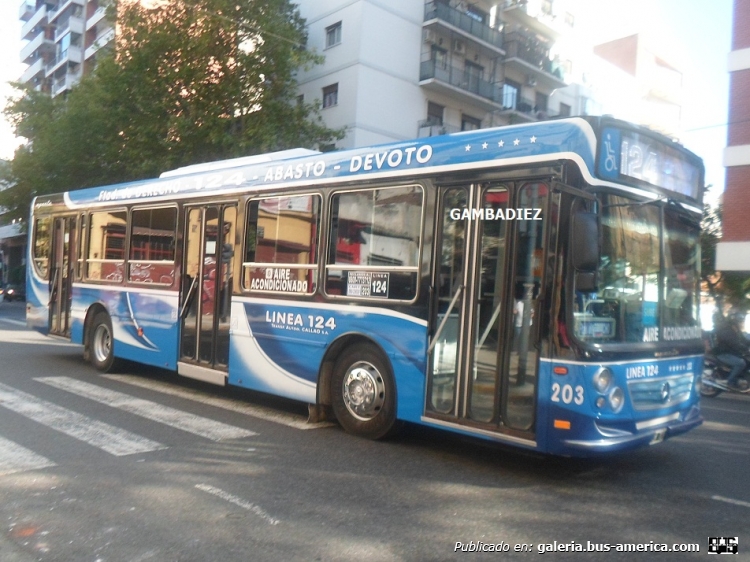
[61, 278]
[207, 283]
[487, 279]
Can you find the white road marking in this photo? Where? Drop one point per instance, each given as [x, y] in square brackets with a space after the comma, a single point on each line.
[219, 493]
[730, 500]
[267, 414]
[109, 438]
[14, 458]
[172, 417]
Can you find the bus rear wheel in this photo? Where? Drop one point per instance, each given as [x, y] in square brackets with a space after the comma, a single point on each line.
[364, 394]
[101, 343]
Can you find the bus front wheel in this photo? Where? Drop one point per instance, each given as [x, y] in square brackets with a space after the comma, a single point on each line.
[364, 394]
[101, 343]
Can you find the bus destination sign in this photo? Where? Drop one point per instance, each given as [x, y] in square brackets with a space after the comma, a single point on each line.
[627, 155]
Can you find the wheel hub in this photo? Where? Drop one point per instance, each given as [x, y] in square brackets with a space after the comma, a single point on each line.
[363, 391]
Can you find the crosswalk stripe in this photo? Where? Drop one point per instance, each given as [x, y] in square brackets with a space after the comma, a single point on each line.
[172, 417]
[14, 458]
[109, 438]
[261, 412]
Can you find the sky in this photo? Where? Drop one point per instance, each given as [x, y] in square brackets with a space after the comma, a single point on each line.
[696, 35]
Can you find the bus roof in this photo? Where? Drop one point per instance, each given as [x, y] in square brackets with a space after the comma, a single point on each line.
[524, 144]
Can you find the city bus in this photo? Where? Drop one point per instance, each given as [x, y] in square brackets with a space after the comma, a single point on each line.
[535, 285]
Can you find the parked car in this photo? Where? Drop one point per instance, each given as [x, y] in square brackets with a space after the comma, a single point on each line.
[14, 292]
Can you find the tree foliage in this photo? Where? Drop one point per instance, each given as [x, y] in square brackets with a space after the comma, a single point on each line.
[728, 288]
[188, 81]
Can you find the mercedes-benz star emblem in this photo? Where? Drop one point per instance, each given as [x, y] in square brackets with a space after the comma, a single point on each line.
[665, 392]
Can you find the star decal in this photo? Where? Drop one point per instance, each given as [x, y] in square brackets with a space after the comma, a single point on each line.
[533, 139]
[501, 143]
[468, 147]
[484, 146]
[516, 142]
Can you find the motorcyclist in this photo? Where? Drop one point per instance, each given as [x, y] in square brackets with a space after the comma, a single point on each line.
[731, 345]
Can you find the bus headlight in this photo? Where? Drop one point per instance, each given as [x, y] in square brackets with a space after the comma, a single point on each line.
[616, 399]
[603, 380]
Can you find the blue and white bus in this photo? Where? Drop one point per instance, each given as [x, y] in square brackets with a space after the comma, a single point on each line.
[534, 285]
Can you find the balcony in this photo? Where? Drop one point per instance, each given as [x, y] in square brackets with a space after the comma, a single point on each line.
[101, 41]
[534, 18]
[29, 28]
[73, 25]
[26, 11]
[451, 81]
[37, 46]
[71, 55]
[30, 73]
[63, 7]
[531, 56]
[433, 128]
[64, 83]
[463, 23]
[96, 17]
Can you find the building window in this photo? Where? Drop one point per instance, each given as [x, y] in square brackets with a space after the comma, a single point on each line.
[330, 95]
[564, 110]
[469, 123]
[511, 92]
[473, 76]
[434, 113]
[540, 101]
[439, 57]
[333, 34]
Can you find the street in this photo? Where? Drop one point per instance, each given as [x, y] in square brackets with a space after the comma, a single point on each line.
[143, 465]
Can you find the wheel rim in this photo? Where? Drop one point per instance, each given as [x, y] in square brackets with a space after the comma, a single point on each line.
[102, 343]
[363, 391]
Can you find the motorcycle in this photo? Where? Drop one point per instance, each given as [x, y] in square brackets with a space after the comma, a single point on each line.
[716, 373]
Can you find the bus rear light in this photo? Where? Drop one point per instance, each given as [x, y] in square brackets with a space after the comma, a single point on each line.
[562, 424]
[560, 370]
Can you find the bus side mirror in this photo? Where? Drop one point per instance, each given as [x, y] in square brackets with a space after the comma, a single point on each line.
[585, 250]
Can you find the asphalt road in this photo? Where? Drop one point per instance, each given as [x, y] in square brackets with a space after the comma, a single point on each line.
[146, 466]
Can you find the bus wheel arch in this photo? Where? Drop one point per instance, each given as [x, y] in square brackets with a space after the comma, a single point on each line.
[357, 380]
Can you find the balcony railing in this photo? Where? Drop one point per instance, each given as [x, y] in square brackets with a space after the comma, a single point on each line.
[460, 78]
[433, 128]
[464, 22]
[530, 50]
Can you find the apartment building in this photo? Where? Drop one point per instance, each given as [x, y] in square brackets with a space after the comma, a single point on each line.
[63, 39]
[733, 252]
[652, 83]
[398, 70]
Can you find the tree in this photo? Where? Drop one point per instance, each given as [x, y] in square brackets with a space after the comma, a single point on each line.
[188, 81]
[727, 288]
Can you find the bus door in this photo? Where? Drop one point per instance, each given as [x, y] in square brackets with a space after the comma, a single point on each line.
[61, 278]
[484, 347]
[206, 294]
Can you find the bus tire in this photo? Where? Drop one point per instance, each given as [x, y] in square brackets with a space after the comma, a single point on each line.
[363, 393]
[101, 343]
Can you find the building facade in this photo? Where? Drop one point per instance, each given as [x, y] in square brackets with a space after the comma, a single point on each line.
[733, 252]
[63, 37]
[399, 70]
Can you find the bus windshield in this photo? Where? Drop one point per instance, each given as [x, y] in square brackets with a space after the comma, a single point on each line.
[646, 293]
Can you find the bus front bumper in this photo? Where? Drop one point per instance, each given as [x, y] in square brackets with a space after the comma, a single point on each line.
[654, 432]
